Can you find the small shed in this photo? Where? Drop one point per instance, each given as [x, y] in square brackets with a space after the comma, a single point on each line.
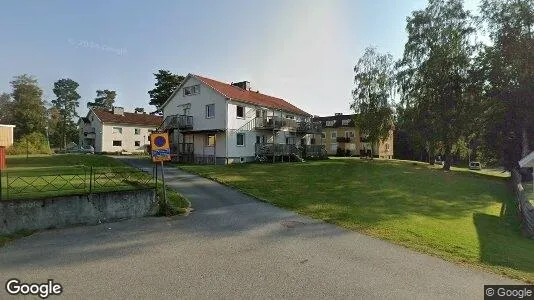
[6, 135]
[528, 162]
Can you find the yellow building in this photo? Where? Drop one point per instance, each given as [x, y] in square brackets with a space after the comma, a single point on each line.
[339, 131]
[6, 135]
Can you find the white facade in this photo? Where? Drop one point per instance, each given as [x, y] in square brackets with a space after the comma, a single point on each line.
[225, 124]
[113, 137]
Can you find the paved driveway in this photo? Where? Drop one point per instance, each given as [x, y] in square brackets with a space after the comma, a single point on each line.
[231, 247]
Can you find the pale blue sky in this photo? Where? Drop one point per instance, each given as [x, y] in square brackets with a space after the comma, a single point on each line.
[300, 50]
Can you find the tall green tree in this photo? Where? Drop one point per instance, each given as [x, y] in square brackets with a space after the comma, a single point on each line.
[104, 99]
[29, 112]
[510, 74]
[6, 113]
[166, 84]
[373, 93]
[66, 103]
[434, 71]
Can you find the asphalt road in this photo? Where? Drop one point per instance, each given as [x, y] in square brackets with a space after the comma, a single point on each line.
[232, 246]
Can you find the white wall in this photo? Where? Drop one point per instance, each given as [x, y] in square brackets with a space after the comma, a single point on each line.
[128, 138]
[198, 106]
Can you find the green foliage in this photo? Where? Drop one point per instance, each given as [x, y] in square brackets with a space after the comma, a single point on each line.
[374, 82]
[176, 203]
[166, 84]
[509, 72]
[433, 74]
[65, 104]
[28, 110]
[6, 112]
[33, 143]
[104, 99]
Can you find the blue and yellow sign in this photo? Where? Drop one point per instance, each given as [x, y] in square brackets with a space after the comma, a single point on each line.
[159, 147]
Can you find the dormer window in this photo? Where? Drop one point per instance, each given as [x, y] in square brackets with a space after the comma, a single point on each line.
[345, 122]
[330, 123]
[192, 90]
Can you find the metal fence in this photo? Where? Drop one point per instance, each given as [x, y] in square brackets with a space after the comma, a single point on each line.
[50, 182]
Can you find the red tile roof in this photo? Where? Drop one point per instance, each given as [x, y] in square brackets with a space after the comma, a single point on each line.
[107, 116]
[250, 97]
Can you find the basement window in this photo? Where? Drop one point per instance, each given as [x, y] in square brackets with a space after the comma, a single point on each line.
[117, 143]
[137, 143]
[240, 139]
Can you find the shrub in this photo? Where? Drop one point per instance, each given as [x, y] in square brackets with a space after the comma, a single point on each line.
[33, 143]
[340, 152]
[347, 153]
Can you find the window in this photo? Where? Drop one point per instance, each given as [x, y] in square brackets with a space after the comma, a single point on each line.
[312, 141]
[290, 117]
[387, 147]
[345, 122]
[117, 130]
[287, 141]
[333, 135]
[323, 135]
[137, 131]
[329, 123]
[137, 143]
[210, 140]
[117, 143]
[258, 139]
[210, 111]
[333, 147]
[349, 134]
[240, 139]
[192, 90]
[240, 111]
[258, 113]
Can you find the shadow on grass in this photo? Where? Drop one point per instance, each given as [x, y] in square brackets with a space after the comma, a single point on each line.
[501, 243]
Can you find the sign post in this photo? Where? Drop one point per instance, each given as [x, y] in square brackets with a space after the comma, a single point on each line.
[160, 152]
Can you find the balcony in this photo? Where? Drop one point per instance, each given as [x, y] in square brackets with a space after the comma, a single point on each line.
[275, 123]
[181, 122]
[309, 127]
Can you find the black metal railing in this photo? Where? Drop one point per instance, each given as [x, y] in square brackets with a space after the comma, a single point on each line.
[51, 182]
[181, 122]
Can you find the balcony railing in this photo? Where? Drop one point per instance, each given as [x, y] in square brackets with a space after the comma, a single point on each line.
[309, 127]
[181, 122]
[275, 149]
[275, 123]
[280, 123]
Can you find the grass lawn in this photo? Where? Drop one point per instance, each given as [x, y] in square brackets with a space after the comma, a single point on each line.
[461, 216]
[67, 174]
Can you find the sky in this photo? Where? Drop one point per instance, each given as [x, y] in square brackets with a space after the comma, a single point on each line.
[303, 51]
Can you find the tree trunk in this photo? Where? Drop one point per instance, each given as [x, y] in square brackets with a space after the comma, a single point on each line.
[448, 158]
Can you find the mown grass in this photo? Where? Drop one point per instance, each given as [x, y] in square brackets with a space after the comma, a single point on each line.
[461, 216]
[177, 204]
[68, 174]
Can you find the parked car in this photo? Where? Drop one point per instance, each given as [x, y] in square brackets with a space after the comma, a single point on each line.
[81, 149]
[475, 165]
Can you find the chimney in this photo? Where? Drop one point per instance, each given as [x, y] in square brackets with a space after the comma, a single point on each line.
[245, 85]
[118, 110]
